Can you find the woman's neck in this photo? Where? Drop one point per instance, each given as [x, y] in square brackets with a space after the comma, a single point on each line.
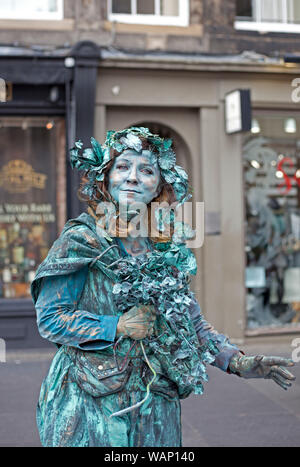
[135, 245]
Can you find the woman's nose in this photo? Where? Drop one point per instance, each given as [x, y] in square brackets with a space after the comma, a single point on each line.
[132, 175]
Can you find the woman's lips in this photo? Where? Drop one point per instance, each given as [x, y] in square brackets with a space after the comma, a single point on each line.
[131, 191]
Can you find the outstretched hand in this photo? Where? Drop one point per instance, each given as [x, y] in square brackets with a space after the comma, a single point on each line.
[260, 366]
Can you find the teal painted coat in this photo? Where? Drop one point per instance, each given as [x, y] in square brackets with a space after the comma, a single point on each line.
[84, 387]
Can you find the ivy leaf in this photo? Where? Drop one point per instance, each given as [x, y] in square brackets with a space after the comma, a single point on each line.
[89, 156]
[181, 172]
[167, 159]
[167, 144]
[180, 190]
[79, 144]
[118, 146]
[169, 176]
[109, 136]
[132, 141]
[181, 355]
[97, 148]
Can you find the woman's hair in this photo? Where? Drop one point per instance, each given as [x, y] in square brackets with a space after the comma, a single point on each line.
[165, 190]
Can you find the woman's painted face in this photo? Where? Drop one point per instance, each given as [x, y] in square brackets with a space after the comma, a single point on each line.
[133, 178]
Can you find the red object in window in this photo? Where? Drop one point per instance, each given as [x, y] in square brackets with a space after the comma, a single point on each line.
[287, 179]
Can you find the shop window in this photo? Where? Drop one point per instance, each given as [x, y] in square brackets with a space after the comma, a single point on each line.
[268, 15]
[155, 12]
[31, 9]
[271, 155]
[32, 197]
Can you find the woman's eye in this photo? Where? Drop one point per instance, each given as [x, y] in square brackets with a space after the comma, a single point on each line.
[148, 171]
[122, 167]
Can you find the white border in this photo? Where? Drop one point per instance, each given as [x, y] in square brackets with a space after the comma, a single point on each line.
[267, 27]
[158, 20]
[29, 15]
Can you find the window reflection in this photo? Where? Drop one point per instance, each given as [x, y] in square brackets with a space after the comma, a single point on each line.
[145, 7]
[169, 8]
[272, 223]
[121, 6]
[32, 187]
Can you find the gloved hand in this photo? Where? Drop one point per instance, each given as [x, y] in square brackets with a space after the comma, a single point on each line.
[137, 323]
[260, 366]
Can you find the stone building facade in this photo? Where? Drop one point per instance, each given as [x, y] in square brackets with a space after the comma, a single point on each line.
[87, 73]
[210, 30]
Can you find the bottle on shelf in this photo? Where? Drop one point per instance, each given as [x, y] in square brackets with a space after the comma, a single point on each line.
[4, 252]
[31, 271]
[6, 279]
[6, 272]
[18, 252]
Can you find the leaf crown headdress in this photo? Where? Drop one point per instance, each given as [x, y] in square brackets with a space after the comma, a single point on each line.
[94, 160]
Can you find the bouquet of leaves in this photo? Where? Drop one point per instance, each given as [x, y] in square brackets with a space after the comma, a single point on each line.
[161, 278]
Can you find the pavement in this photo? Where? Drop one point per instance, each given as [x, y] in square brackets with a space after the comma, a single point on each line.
[231, 412]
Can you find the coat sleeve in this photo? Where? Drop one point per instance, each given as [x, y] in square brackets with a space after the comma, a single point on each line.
[61, 322]
[205, 331]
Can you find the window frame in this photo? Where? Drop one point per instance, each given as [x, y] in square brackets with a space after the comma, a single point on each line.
[154, 20]
[25, 15]
[268, 26]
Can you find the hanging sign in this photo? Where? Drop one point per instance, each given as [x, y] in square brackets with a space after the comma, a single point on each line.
[237, 111]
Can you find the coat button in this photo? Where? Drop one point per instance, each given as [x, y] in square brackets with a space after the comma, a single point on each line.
[100, 367]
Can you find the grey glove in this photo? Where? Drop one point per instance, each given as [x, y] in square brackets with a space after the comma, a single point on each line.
[260, 366]
[137, 323]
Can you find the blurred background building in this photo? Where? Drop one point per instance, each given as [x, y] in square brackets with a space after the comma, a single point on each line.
[70, 69]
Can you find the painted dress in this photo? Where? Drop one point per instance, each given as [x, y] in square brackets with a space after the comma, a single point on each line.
[91, 376]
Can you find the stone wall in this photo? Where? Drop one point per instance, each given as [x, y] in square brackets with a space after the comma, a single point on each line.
[210, 31]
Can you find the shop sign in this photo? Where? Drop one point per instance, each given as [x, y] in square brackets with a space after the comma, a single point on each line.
[19, 177]
[237, 111]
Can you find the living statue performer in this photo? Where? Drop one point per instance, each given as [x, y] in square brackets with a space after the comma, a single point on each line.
[116, 301]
